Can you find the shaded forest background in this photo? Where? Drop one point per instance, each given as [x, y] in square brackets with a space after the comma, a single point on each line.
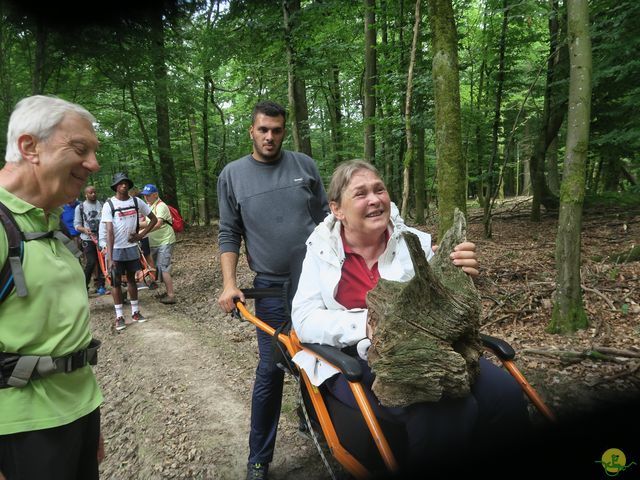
[172, 85]
[456, 102]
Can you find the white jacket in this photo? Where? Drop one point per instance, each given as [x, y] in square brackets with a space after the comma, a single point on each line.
[316, 315]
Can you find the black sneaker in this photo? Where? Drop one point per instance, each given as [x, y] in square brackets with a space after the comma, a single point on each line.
[138, 317]
[257, 471]
[120, 325]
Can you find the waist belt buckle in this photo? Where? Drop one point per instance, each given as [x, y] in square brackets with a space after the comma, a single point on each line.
[7, 363]
[74, 361]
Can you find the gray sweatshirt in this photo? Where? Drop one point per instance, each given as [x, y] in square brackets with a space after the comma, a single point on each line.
[91, 220]
[273, 206]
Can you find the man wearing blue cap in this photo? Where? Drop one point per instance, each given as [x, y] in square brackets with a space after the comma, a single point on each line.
[162, 238]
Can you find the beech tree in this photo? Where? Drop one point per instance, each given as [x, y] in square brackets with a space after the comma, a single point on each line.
[451, 166]
[370, 72]
[568, 309]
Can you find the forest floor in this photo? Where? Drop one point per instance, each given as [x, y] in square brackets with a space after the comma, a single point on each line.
[178, 388]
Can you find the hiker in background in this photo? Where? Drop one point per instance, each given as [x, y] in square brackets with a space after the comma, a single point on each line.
[87, 222]
[273, 199]
[146, 249]
[49, 426]
[162, 239]
[121, 213]
[68, 215]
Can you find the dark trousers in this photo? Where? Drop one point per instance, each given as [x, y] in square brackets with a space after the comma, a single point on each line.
[91, 255]
[68, 452]
[267, 389]
[438, 430]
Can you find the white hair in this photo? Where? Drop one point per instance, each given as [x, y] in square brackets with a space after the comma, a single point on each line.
[38, 115]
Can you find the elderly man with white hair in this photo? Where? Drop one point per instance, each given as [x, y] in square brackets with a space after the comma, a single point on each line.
[49, 397]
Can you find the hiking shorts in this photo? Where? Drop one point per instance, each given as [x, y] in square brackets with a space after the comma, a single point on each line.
[123, 267]
[162, 255]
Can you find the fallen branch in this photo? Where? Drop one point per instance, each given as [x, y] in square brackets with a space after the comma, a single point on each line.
[626, 373]
[496, 320]
[617, 352]
[571, 355]
[601, 295]
[596, 353]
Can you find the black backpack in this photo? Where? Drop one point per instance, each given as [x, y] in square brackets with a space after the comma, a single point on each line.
[135, 206]
[11, 273]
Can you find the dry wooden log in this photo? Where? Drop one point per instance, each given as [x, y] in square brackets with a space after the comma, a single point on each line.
[425, 332]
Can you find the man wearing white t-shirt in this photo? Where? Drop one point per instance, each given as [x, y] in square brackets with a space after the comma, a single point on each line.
[120, 215]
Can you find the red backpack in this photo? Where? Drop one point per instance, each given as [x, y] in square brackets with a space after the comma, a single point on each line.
[177, 222]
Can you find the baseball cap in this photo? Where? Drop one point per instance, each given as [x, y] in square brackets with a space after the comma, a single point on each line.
[148, 189]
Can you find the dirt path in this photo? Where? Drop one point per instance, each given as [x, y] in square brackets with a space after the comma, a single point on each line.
[177, 404]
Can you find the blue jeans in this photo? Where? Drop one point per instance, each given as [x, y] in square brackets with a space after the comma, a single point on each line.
[267, 389]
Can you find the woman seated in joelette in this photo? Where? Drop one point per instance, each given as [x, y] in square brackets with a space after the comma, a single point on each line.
[356, 245]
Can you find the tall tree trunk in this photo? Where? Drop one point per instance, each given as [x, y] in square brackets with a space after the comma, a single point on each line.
[450, 162]
[197, 164]
[370, 79]
[335, 113]
[612, 172]
[552, 117]
[167, 170]
[206, 175]
[479, 117]
[409, 154]
[553, 176]
[490, 194]
[419, 176]
[38, 79]
[568, 310]
[144, 133]
[297, 88]
[222, 158]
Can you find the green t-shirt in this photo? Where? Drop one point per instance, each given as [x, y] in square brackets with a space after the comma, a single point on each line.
[165, 234]
[53, 319]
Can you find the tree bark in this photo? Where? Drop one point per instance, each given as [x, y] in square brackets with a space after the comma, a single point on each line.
[206, 179]
[425, 332]
[167, 170]
[298, 108]
[197, 165]
[490, 194]
[370, 80]
[553, 176]
[39, 75]
[451, 167]
[335, 113]
[568, 310]
[552, 118]
[409, 154]
[419, 176]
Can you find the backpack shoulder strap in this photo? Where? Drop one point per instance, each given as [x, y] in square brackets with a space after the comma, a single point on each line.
[11, 273]
[135, 204]
[170, 222]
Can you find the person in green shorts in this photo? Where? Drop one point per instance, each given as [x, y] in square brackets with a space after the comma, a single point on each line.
[49, 425]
